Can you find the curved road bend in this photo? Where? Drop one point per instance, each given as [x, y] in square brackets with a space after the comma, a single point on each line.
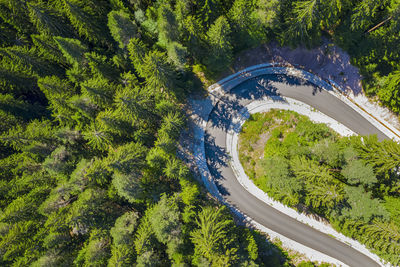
[236, 195]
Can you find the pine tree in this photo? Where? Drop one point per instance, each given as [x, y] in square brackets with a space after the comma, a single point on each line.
[165, 220]
[17, 239]
[245, 30]
[383, 156]
[30, 60]
[177, 54]
[363, 206]
[266, 13]
[96, 251]
[112, 123]
[8, 34]
[92, 210]
[49, 22]
[137, 52]
[324, 195]
[173, 168]
[172, 125]
[276, 168]
[159, 74]
[389, 91]
[134, 105]
[146, 244]
[167, 25]
[47, 48]
[193, 32]
[88, 18]
[58, 92]
[14, 12]
[72, 49]
[307, 19]
[211, 236]
[364, 13]
[128, 158]
[85, 108]
[101, 66]
[218, 37]
[121, 27]
[96, 138]
[37, 132]
[123, 239]
[209, 11]
[99, 91]
[128, 185]
[20, 109]
[357, 172]
[16, 80]
[60, 162]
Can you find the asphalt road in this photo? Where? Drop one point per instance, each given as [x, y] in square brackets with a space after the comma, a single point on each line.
[236, 195]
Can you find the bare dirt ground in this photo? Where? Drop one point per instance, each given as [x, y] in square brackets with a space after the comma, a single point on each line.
[327, 61]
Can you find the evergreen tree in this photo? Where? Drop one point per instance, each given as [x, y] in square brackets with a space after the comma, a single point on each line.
[122, 233]
[8, 34]
[363, 206]
[308, 16]
[324, 195]
[49, 22]
[14, 12]
[177, 54]
[245, 31]
[57, 92]
[22, 137]
[20, 109]
[29, 61]
[92, 210]
[128, 158]
[218, 37]
[96, 251]
[209, 11]
[134, 105]
[146, 244]
[112, 123]
[89, 19]
[167, 25]
[48, 48]
[211, 237]
[356, 172]
[266, 13]
[72, 49]
[122, 28]
[101, 66]
[279, 175]
[364, 12]
[137, 51]
[159, 74]
[193, 32]
[99, 91]
[164, 218]
[384, 157]
[389, 90]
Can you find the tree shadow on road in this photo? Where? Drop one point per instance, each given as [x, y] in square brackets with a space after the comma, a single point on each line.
[228, 107]
[217, 157]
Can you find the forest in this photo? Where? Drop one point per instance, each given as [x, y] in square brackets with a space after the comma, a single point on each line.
[351, 181]
[92, 93]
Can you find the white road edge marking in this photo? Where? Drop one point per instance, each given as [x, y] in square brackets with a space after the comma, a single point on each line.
[204, 108]
[232, 138]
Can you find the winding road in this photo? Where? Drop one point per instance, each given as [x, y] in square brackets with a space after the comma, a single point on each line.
[216, 125]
